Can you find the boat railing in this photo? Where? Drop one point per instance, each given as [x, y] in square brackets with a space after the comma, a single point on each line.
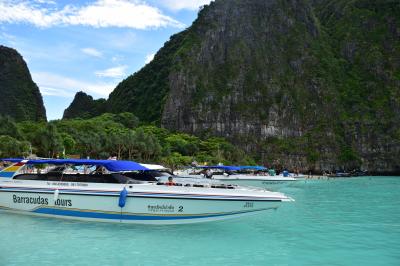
[199, 185]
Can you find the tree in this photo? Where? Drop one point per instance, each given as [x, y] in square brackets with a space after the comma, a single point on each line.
[30, 130]
[141, 145]
[89, 144]
[183, 143]
[129, 120]
[9, 127]
[130, 143]
[25, 148]
[116, 143]
[100, 136]
[153, 148]
[50, 141]
[349, 158]
[8, 146]
[68, 143]
[11, 147]
[176, 160]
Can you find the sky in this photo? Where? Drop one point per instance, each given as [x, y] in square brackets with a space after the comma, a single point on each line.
[89, 45]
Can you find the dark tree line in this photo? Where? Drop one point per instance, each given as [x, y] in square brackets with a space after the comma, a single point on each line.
[119, 135]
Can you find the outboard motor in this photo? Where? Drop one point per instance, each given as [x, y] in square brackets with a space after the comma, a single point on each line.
[285, 173]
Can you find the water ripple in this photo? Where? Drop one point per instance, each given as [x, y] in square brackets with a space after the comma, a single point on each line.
[332, 222]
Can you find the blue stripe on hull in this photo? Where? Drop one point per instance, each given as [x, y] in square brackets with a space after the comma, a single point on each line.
[113, 216]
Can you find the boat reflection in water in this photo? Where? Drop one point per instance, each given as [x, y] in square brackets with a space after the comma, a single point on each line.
[121, 191]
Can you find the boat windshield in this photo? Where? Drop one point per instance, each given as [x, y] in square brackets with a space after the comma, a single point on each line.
[214, 171]
[149, 176]
[70, 173]
[254, 172]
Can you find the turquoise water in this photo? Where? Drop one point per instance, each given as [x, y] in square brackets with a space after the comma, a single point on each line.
[337, 222]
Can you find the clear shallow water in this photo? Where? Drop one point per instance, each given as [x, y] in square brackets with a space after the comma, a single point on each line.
[337, 222]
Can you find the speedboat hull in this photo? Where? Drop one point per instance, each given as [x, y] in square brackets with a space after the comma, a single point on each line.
[142, 206]
[265, 184]
[247, 180]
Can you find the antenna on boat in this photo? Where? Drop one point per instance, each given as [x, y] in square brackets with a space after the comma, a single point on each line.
[56, 194]
[57, 191]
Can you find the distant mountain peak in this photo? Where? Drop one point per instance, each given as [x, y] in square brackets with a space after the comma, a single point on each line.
[20, 96]
[84, 106]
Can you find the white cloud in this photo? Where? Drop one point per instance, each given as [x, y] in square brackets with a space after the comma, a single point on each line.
[51, 84]
[149, 58]
[48, 2]
[113, 72]
[92, 52]
[177, 5]
[8, 38]
[101, 13]
[48, 91]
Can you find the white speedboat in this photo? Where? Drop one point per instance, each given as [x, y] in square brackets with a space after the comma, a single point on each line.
[235, 175]
[161, 174]
[112, 193]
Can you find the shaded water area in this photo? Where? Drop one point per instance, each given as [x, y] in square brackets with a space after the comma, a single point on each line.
[353, 221]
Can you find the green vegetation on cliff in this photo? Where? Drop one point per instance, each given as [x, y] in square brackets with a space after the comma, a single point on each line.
[20, 98]
[144, 92]
[83, 106]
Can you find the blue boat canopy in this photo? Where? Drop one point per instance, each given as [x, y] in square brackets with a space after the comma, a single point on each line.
[223, 167]
[110, 165]
[11, 160]
[250, 167]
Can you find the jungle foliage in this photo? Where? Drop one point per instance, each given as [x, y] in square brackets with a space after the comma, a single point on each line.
[117, 135]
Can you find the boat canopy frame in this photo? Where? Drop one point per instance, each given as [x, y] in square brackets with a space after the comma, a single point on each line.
[110, 165]
[222, 167]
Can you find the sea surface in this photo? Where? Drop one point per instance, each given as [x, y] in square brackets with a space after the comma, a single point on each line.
[353, 221]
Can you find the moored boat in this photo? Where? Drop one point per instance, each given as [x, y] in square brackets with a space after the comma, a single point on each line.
[161, 174]
[107, 191]
[236, 175]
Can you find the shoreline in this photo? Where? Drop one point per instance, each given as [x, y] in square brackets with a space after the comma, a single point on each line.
[307, 177]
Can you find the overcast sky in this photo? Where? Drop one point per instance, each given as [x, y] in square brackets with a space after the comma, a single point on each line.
[89, 45]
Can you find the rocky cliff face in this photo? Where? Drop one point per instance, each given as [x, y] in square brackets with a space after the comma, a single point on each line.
[84, 106]
[20, 97]
[304, 84]
[144, 92]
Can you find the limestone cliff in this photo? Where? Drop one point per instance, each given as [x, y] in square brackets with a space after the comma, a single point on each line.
[84, 106]
[20, 97]
[306, 84]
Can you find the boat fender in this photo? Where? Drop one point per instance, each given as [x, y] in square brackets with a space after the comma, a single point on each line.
[56, 194]
[122, 198]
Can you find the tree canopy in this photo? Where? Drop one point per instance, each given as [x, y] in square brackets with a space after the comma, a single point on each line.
[119, 135]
